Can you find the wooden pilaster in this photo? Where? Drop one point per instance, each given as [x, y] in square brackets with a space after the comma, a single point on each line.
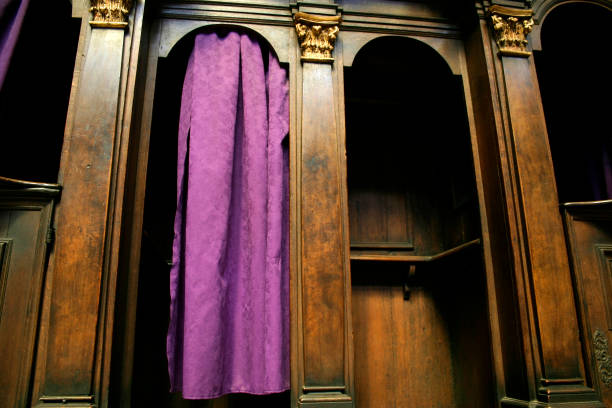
[73, 357]
[551, 318]
[321, 377]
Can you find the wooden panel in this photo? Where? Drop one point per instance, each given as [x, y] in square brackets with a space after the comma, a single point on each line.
[402, 348]
[323, 263]
[68, 347]
[605, 258]
[23, 232]
[379, 220]
[552, 286]
[431, 350]
[496, 227]
[5, 256]
[589, 230]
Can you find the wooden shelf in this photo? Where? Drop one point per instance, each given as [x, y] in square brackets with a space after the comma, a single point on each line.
[382, 245]
[415, 258]
[588, 204]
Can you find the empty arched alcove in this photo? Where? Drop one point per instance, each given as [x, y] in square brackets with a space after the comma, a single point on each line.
[573, 74]
[420, 322]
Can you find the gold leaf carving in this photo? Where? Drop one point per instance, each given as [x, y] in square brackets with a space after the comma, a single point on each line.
[317, 36]
[602, 356]
[110, 13]
[511, 27]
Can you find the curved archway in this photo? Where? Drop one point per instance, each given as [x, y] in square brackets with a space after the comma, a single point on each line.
[573, 72]
[399, 51]
[173, 37]
[412, 195]
[449, 54]
[543, 8]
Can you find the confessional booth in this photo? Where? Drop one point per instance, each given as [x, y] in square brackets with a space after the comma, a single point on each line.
[449, 212]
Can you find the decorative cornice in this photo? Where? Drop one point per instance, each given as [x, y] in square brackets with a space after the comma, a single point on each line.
[110, 13]
[511, 27]
[602, 356]
[317, 36]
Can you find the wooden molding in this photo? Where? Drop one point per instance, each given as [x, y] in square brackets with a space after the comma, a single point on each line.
[110, 13]
[510, 27]
[317, 36]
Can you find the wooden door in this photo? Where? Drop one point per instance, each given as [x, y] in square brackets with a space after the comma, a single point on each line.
[589, 232]
[25, 215]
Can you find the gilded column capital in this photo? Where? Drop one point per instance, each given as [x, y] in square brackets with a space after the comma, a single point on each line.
[511, 27]
[110, 13]
[317, 36]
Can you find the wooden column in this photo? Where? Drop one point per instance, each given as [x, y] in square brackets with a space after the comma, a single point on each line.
[553, 324]
[73, 346]
[322, 348]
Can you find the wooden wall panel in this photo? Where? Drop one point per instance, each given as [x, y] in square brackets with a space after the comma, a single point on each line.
[546, 294]
[556, 314]
[432, 349]
[25, 217]
[322, 262]
[589, 231]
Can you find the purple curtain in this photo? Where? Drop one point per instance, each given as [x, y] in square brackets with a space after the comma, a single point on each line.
[229, 312]
[12, 13]
[607, 170]
[599, 168]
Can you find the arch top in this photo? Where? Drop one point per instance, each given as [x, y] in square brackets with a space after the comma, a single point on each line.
[173, 31]
[543, 7]
[449, 50]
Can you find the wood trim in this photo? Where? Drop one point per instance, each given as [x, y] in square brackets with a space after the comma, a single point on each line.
[399, 257]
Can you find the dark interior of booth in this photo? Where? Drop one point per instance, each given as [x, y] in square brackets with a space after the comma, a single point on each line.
[36, 90]
[419, 303]
[575, 83]
[150, 380]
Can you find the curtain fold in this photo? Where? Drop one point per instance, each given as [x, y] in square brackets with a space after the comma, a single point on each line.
[12, 13]
[229, 314]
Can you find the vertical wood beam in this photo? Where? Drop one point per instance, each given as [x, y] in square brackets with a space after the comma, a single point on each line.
[559, 367]
[323, 283]
[73, 333]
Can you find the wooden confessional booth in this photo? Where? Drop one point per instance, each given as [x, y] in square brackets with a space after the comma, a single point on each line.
[446, 249]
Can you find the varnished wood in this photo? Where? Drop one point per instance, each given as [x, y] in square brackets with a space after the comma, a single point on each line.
[323, 260]
[488, 324]
[557, 324]
[357, 256]
[511, 366]
[553, 338]
[416, 352]
[589, 231]
[25, 236]
[73, 352]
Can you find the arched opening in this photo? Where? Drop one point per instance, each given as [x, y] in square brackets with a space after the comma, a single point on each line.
[36, 90]
[573, 72]
[150, 367]
[420, 325]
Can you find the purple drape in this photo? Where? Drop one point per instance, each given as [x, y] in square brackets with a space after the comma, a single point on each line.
[12, 13]
[607, 170]
[601, 177]
[229, 316]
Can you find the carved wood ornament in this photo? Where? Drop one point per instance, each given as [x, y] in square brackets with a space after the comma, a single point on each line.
[602, 356]
[511, 27]
[317, 36]
[110, 13]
